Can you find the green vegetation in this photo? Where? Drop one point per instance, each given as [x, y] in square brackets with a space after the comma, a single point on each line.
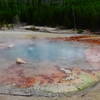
[69, 13]
[80, 31]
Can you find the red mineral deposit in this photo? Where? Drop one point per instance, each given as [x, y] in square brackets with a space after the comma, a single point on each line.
[84, 38]
[93, 57]
[19, 76]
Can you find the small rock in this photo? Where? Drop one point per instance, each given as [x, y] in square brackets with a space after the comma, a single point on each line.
[10, 45]
[20, 61]
[66, 70]
[70, 78]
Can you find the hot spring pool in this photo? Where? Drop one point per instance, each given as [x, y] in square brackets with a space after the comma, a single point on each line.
[66, 54]
[53, 67]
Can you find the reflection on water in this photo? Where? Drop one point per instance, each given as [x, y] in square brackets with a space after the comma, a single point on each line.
[66, 54]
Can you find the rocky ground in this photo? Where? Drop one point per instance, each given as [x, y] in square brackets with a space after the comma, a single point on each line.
[92, 94]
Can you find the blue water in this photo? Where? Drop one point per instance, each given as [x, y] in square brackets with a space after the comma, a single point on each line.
[68, 53]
